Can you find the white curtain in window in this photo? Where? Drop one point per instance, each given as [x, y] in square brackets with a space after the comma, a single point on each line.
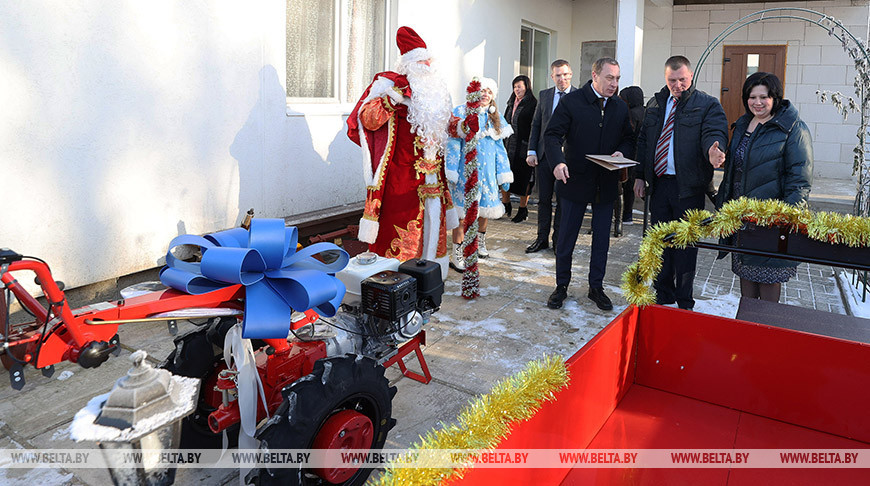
[311, 48]
[365, 32]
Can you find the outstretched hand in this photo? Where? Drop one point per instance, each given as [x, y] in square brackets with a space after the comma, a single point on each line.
[716, 155]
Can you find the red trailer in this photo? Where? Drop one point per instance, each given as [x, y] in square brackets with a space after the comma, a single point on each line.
[665, 378]
[776, 378]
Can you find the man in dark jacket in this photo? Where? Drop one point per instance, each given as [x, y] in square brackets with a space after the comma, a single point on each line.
[548, 100]
[678, 148]
[593, 121]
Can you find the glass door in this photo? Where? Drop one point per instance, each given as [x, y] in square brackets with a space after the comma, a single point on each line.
[535, 56]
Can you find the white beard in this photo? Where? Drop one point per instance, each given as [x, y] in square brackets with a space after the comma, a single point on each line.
[429, 109]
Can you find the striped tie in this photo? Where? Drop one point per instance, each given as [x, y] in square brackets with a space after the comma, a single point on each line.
[664, 142]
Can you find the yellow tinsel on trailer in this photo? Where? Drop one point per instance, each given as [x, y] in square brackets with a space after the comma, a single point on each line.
[486, 421]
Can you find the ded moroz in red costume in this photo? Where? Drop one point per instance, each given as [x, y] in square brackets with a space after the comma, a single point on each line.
[401, 123]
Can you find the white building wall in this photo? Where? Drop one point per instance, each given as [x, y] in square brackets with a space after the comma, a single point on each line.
[127, 123]
[486, 39]
[814, 61]
[594, 20]
[658, 19]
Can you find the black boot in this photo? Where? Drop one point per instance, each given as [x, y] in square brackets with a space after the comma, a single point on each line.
[522, 214]
[538, 245]
[508, 209]
[557, 297]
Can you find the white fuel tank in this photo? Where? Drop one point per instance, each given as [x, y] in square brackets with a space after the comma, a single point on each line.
[360, 268]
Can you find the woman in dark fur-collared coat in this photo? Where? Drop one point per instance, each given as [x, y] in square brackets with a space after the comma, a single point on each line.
[770, 156]
[519, 112]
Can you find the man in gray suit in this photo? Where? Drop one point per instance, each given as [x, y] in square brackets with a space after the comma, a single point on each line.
[548, 99]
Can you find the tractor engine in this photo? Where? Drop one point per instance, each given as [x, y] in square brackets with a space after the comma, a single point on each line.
[382, 309]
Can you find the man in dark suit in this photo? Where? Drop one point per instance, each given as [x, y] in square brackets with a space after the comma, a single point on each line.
[593, 121]
[677, 148]
[548, 99]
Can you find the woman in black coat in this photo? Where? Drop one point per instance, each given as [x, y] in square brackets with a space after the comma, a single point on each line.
[519, 112]
[770, 156]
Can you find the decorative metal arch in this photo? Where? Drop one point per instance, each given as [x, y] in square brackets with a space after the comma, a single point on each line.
[855, 48]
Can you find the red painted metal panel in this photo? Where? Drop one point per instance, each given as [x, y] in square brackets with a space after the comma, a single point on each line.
[762, 433]
[652, 419]
[794, 377]
[601, 373]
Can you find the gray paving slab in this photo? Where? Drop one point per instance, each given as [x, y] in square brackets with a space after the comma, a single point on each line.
[414, 397]
[48, 404]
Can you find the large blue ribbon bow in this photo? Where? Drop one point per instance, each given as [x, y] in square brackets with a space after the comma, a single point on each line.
[277, 278]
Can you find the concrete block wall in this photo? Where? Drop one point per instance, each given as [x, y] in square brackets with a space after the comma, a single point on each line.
[814, 61]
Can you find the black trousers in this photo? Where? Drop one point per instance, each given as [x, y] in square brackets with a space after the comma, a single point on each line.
[627, 198]
[572, 217]
[675, 281]
[546, 186]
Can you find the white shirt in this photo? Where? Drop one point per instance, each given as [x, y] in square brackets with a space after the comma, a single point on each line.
[599, 96]
[556, 98]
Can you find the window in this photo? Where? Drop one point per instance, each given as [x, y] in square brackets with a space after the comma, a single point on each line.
[752, 61]
[334, 47]
[535, 56]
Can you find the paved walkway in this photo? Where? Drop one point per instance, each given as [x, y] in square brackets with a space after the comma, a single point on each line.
[471, 345]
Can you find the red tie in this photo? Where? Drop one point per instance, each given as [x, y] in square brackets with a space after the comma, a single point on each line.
[664, 142]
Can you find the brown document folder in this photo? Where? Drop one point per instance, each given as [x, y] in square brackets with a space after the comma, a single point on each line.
[612, 163]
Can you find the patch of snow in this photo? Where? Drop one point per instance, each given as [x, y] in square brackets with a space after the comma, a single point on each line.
[29, 477]
[14, 477]
[481, 328]
[853, 297]
[496, 251]
[60, 434]
[64, 375]
[724, 305]
[485, 291]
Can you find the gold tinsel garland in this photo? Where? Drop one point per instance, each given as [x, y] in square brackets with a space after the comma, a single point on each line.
[486, 421]
[853, 231]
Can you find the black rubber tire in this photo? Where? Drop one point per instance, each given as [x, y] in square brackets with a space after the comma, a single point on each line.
[196, 355]
[336, 384]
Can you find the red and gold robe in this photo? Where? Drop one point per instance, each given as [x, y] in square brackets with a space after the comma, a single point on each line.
[408, 208]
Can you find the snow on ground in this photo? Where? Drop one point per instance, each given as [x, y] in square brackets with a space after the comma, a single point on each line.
[29, 477]
[61, 433]
[724, 305]
[481, 328]
[852, 296]
[64, 375]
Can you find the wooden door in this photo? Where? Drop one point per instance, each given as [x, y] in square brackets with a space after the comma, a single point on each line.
[741, 61]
